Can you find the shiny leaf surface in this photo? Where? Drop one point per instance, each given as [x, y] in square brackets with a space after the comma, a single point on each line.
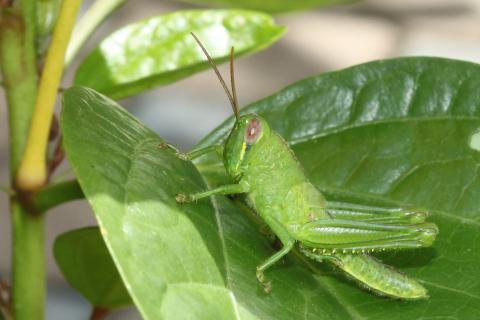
[193, 261]
[160, 50]
[274, 6]
[401, 132]
[404, 132]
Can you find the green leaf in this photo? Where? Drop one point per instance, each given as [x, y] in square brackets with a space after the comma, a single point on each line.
[273, 6]
[160, 50]
[193, 261]
[404, 132]
[85, 262]
[399, 132]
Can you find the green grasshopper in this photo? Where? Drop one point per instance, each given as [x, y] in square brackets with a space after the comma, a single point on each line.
[266, 170]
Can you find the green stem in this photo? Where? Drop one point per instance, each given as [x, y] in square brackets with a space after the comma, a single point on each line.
[89, 22]
[19, 73]
[28, 285]
[56, 194]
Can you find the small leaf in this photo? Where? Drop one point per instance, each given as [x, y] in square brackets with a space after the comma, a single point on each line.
[273, 6]
[85, 262]
[160, 50]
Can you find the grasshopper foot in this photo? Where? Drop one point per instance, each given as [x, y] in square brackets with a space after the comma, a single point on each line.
[267, 285]
[183, 198]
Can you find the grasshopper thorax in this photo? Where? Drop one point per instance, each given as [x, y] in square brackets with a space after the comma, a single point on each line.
[247, 132]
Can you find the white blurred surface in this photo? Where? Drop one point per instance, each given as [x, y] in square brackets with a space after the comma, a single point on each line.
[317, 41]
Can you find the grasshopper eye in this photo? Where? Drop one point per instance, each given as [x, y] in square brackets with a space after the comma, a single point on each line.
[253, 131]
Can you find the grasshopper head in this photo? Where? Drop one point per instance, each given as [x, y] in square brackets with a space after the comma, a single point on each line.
[245, 135]
[248, 129]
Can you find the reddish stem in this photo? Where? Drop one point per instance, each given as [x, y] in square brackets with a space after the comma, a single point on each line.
[5, 298]
[99, 313]
[56, 160]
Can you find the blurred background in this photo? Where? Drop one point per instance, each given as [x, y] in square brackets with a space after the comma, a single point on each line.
[317, 41]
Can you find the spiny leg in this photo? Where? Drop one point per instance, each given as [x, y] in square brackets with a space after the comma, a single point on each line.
[319, 257]
[355, 236]
[225, 189]
[374, 214]
[287, 240]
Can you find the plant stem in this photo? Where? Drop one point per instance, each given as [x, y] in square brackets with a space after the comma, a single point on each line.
[32, 173]
[19, 73]
[89, 22]
[56, 194]
[99, 313]
[28, 286]
[5, 301]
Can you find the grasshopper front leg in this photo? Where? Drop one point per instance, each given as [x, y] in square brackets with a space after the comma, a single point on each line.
[218, 149]
[240, 187]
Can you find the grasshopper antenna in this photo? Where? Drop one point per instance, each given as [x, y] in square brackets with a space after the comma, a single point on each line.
[232, 83]
[219, 76]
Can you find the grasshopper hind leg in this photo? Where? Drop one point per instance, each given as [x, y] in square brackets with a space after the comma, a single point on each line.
[350, 236]
[319, 257]
[375, 214]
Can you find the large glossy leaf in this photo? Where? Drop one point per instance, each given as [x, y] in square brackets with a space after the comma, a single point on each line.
[404, 132]
[193, 261]
[160, 50]
[85, 262]
[273, 6]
